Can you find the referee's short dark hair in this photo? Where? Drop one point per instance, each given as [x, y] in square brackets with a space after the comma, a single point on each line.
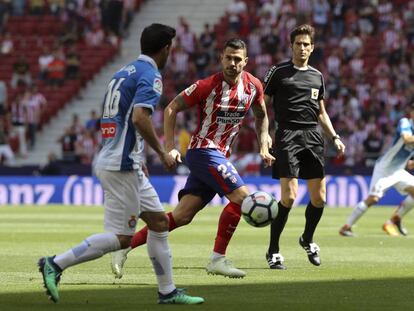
[236, 44]
[155, 37]
[304, 29]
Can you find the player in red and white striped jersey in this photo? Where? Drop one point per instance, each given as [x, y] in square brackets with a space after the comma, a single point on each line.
[223, 100]
[35, 103]
[221, 107]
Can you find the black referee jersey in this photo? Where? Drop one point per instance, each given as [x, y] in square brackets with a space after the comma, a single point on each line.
[296, 94]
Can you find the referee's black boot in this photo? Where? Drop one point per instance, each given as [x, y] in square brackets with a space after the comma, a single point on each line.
[275, 261]
[312, 250]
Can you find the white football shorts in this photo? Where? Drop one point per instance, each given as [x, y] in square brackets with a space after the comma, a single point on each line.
[126, 195]
[381, 181]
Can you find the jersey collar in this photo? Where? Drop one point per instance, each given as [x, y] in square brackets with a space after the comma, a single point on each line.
[148, 59]
[299, 68]
[232, 85]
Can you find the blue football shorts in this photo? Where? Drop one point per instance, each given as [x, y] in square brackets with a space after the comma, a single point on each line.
[210, 174]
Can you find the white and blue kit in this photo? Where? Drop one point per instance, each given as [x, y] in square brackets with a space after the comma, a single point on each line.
[137, 84]
[118, 166]
[389, 170]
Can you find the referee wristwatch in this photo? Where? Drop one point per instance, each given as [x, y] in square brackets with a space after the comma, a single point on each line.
[336, 137]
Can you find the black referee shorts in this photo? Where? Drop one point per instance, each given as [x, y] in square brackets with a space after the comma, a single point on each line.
[299, 154]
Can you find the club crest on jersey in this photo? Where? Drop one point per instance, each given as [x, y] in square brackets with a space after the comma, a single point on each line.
[190, 89]
[132, 222]
[314, 93]
[157, 87]
[244, 99]
[108, 129]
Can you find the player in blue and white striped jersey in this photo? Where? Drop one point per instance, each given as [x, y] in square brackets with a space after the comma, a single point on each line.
[126, 123]
[389, 171]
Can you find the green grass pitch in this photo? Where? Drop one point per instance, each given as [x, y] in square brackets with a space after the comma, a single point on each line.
[370, 272]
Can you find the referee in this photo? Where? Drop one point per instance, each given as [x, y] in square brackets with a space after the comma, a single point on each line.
[298, 90]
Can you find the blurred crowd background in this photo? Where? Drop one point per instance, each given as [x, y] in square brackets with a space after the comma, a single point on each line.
[49, 50]
[363, 48]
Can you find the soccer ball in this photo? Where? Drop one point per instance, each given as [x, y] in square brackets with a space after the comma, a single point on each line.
[259, 209]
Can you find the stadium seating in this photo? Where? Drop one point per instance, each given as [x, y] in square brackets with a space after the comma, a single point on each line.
[30, 35]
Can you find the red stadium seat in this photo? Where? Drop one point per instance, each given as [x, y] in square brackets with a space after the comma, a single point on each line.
[30, 35]
[28, 28]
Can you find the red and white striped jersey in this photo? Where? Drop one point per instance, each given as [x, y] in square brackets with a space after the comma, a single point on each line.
[34, 106]
[221, 108]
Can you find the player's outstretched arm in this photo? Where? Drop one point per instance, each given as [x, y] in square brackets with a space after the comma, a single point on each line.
[170, 116]
[327, 127]
[262, 130]
[141, 118]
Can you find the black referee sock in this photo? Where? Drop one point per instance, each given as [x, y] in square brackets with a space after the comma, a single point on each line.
[277, 227]
[313, 215]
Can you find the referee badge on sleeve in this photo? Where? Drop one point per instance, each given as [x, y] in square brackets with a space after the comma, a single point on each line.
[314, 93]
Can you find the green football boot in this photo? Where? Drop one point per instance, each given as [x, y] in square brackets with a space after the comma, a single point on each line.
[178, 296]
[51, 277]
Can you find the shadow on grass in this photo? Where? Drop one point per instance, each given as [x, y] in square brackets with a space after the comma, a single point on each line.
[378, 294]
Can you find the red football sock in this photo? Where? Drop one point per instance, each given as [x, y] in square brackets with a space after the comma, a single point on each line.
[228, 222]
[140, 237]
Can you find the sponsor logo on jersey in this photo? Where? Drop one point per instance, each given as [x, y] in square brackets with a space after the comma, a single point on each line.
[190, 89]
[314, 93]
[227, 117]
[108, 129]
[157, 85]
[269, 74]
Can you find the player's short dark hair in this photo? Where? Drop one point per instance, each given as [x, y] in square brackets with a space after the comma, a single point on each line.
[304, 29]
[155, 37]
[236, 44]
